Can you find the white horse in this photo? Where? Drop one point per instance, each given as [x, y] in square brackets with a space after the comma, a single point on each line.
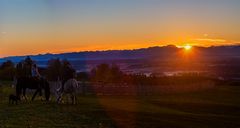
[70, 87]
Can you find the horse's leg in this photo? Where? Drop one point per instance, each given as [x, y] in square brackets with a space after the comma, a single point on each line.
[47, 94]
[72, 97]
[67, 98]
[56, 95]
[24, 94]
[75, 98]
[40, 94]
[35, 94]
[59, 98]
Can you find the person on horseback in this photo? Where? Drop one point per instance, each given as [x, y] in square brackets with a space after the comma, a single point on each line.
[28, 62]
[24, 68]
[35, 72]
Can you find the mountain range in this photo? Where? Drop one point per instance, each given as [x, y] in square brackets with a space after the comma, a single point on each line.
[148, 60]
[164, 52]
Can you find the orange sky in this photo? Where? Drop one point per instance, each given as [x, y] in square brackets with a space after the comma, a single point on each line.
[33, 27]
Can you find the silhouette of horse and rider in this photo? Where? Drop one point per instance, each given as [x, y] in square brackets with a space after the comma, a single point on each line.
[28, 77]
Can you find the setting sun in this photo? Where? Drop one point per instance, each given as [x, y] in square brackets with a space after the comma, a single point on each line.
[187, 47]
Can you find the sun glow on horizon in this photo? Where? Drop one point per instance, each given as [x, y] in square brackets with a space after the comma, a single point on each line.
[187, 47]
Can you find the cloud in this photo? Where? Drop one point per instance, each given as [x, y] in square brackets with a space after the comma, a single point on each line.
[205, 35]
[213, 42]
[210, 40]
[4, 32]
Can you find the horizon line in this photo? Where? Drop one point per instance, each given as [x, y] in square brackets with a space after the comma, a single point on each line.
[56, 53]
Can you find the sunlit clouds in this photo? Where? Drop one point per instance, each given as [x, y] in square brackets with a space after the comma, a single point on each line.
[211, 40]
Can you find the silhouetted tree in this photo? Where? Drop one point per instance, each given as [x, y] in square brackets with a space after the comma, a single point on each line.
[54, 69]
[115, 74]
[60, 70]
[106, 73]
[7, 70]
[7, 64]
[68, 71]
[83, 76]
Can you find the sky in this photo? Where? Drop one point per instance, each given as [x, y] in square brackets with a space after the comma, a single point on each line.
[56, 26]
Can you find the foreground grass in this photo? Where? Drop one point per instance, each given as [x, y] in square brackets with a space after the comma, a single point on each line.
[217, 107]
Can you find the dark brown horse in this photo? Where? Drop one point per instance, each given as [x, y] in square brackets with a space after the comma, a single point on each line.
[24, 83]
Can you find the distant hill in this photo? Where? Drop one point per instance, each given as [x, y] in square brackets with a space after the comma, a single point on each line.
[101, 55]
[165, 52]
[150, 60]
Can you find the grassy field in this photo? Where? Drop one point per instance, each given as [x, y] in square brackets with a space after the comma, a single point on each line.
[218, 107]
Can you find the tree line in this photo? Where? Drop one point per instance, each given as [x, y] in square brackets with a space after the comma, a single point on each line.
[104, 73]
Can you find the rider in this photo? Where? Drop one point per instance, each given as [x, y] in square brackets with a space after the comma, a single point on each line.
[27, 67]
[35, 73]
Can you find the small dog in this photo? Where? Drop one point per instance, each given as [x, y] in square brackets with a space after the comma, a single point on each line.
[13, 99]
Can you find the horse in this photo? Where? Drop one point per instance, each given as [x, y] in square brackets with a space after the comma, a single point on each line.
[32, 83]
[70, 87]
